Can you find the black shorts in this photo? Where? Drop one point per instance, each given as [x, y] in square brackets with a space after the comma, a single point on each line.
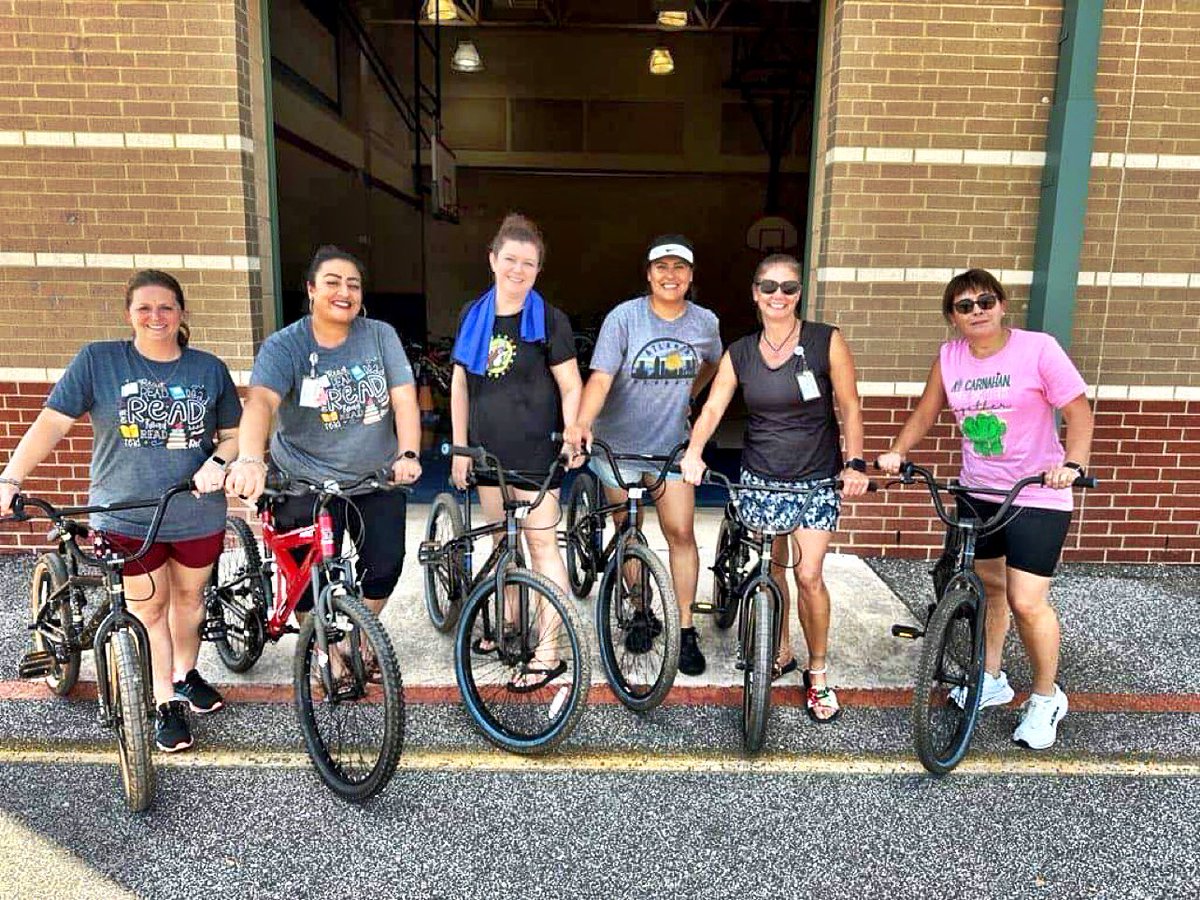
[485, 479]
[376, 530]
[1030, 540]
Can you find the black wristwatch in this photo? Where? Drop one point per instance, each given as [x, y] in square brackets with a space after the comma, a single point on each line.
[220, 462]
[858, 464]
[1076, 466]
[409, 454]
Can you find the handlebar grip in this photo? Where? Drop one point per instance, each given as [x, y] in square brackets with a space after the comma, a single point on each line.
[1086, 481]
[872, 486]
[474, 453]
[276, 481]
[18, 508]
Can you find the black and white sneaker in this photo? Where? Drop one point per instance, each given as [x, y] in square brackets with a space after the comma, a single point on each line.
[198, 694]
[171, 732]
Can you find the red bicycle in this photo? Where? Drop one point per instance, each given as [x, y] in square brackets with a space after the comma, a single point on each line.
[348, 690]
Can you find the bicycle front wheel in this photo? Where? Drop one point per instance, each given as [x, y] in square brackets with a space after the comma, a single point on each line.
[524, 681]
[355, 733]
[637, 628]
[237, 596]
[581, 537]
[54, 620]
[949, 678]
[729, 560]
[443, 576]
[759, 663]
[129, 705]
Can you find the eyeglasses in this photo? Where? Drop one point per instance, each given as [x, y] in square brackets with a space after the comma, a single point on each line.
[983, 301]
[767, 286]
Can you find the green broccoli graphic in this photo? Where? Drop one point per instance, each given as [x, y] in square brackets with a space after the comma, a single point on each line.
[986, 432]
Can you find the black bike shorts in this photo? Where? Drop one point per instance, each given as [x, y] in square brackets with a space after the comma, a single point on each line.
[1030, 540]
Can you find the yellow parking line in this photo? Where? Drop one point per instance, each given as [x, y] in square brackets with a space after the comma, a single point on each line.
[1019, 763]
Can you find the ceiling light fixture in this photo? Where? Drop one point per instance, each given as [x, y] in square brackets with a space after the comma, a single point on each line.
[661, 61]
[466, 58]
[440, 10]
[671, 18]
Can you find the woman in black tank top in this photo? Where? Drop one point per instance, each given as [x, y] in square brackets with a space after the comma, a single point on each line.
[792, 374]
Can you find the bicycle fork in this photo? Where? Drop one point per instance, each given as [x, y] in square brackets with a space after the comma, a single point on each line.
[119, 617]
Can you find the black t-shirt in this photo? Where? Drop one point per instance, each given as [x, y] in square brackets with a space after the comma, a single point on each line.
[787, 437]
[515, 404]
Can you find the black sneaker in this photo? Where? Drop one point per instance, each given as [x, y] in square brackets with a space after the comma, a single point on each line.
[644, 627]
[691, 660]
[171, 732]
[201, 696]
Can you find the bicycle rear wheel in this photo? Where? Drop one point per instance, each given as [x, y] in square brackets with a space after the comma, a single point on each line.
[236, 594]
[759, 664]
[581, 533]
[354, 735]
[521, 701]
[951, 658]
[637, 628]
[443, 577]
[129, 705]
[49, 576]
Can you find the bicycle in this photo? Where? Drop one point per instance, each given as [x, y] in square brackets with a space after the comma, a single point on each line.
[949, 679]
[353, 735]
[745, 590]
[637, 617]
[124, 685]
[508, 616]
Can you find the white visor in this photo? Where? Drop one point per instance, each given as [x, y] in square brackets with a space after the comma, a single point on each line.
[660, 250]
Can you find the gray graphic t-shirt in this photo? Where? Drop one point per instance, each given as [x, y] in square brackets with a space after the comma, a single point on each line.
[153, 425]
[347, 428]
[653, 363]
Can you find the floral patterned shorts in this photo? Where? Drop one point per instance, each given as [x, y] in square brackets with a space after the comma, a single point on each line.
[785, 512]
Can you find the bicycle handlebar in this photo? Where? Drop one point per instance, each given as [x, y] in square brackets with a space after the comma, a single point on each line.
[711, 476]
[481, 456]
[280, 484]
[669, 462]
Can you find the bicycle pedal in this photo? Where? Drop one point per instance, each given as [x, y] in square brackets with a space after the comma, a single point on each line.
[705, 608]
[428, 552]
[911, 632]
[37, 664]
[215, 630]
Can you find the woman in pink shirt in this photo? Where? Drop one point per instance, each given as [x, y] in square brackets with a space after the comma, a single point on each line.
[1004, 385]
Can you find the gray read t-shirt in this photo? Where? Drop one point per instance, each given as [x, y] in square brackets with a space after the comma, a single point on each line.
[653, 363]
[153, 426]
[350, 431]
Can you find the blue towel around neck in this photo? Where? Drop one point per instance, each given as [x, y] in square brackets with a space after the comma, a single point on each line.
[475, 335]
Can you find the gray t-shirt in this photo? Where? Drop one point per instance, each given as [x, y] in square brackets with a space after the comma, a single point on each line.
[350, 428]
[653, 363]
[153, 426]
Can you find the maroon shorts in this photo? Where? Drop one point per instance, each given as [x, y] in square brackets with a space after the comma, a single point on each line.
[195, 553]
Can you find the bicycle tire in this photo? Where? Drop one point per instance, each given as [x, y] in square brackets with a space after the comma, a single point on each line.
[49, 575]
[723, 596]
[952, 656]
[759, 663]
[355, 767]
[443, 578]
[237, 594]
[581, 543]
[129, 705]
[523, 722]
[640, 665]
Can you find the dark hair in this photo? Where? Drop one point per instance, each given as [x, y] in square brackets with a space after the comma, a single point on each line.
[970, 280]
[523, 230]
[778, 259]
[324, 254]
[156, 278]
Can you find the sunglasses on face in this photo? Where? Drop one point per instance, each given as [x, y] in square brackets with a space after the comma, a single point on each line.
[983, 301]
[767, 286]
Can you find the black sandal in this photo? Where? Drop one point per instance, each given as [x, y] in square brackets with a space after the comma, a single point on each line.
[546, 676]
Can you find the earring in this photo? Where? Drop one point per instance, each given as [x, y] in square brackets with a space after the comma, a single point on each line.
[362, 310]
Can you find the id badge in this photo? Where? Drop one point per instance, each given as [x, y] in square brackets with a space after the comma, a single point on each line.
[312, 391]
[809, 389]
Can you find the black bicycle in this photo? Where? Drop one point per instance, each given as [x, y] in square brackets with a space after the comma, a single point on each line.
[745, 590]
[122, 649]
[950, 671]
[637, 617]
[520, 663]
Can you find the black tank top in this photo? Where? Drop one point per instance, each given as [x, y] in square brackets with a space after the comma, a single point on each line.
[787, 437]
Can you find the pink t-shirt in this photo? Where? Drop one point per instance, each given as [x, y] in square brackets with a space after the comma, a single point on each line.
[1005, 410]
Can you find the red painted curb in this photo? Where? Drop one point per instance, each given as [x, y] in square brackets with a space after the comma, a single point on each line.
[700, 695]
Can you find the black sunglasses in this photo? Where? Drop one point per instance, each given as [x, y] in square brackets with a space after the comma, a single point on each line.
[983, 301]
[769, 287]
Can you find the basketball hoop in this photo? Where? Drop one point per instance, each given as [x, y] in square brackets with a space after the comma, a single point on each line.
[772, 234]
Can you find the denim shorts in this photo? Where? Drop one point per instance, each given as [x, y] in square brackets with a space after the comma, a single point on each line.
[632, 471]
[785, 512]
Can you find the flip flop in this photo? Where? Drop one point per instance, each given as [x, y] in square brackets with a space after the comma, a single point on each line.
[823, 697]
[545, 676]
[786, 669]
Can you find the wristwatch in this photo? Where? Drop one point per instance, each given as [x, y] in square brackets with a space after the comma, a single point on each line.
[1076, 466]
[409, 454]
[218, 462]
[858, 464]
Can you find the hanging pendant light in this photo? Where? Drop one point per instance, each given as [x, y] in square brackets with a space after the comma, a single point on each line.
[466, 58]
[673, 18]
[440, 10]
[661, 61]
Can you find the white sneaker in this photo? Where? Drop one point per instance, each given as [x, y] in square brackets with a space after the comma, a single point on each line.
[995, 692]
[1039, 724]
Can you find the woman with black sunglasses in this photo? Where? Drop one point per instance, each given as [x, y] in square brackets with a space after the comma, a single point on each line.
[1004, 385]
[792, 374]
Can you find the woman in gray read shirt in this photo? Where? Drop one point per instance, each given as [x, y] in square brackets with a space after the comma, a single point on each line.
[792, 373]
[161, 413]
